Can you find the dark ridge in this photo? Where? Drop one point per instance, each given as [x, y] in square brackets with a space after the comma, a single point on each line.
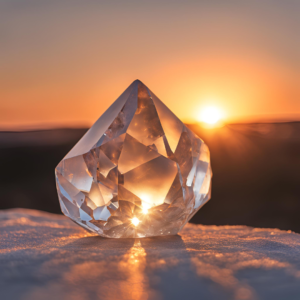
[256, 172]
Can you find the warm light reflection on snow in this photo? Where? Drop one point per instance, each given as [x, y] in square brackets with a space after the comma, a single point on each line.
[65, 260]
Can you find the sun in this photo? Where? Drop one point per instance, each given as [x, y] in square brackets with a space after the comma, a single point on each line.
[210, 115]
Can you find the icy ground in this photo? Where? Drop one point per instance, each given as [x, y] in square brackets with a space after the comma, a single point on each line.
[46, 256]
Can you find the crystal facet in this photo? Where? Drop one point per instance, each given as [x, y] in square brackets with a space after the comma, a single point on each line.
[138, 172]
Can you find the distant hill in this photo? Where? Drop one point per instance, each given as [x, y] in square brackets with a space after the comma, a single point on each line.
[256, 172]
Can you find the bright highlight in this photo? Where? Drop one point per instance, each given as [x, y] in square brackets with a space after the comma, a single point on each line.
[145, 208]
[210, 115]
[135, 221]
[145, 200]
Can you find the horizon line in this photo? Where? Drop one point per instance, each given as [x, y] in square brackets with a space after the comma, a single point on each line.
[55, 126]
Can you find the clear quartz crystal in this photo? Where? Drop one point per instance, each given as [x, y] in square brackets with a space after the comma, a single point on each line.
[138, 172]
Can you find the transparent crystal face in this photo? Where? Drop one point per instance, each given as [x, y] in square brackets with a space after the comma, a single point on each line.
[138, 172]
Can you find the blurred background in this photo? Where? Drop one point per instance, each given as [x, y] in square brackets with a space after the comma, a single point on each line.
[229, 69]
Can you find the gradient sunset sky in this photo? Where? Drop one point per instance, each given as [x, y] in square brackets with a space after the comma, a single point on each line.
[62, 63]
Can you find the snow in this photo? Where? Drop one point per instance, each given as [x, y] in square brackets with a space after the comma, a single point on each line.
[46, 256]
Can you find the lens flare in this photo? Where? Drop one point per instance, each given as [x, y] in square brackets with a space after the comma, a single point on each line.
[135, 221]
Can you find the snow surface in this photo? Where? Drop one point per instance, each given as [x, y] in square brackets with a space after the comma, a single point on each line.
[46, 256]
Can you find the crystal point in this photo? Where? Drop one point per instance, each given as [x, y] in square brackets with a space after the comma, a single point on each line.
[138, 171]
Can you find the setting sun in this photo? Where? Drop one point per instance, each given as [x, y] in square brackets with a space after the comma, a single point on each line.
[210, 115]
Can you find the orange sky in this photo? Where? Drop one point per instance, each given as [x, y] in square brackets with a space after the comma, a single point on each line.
[63, 63]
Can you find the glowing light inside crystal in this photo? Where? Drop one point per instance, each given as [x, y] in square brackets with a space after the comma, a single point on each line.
[135, 221]
[144, 210]
[137, 165]
[145, 204]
